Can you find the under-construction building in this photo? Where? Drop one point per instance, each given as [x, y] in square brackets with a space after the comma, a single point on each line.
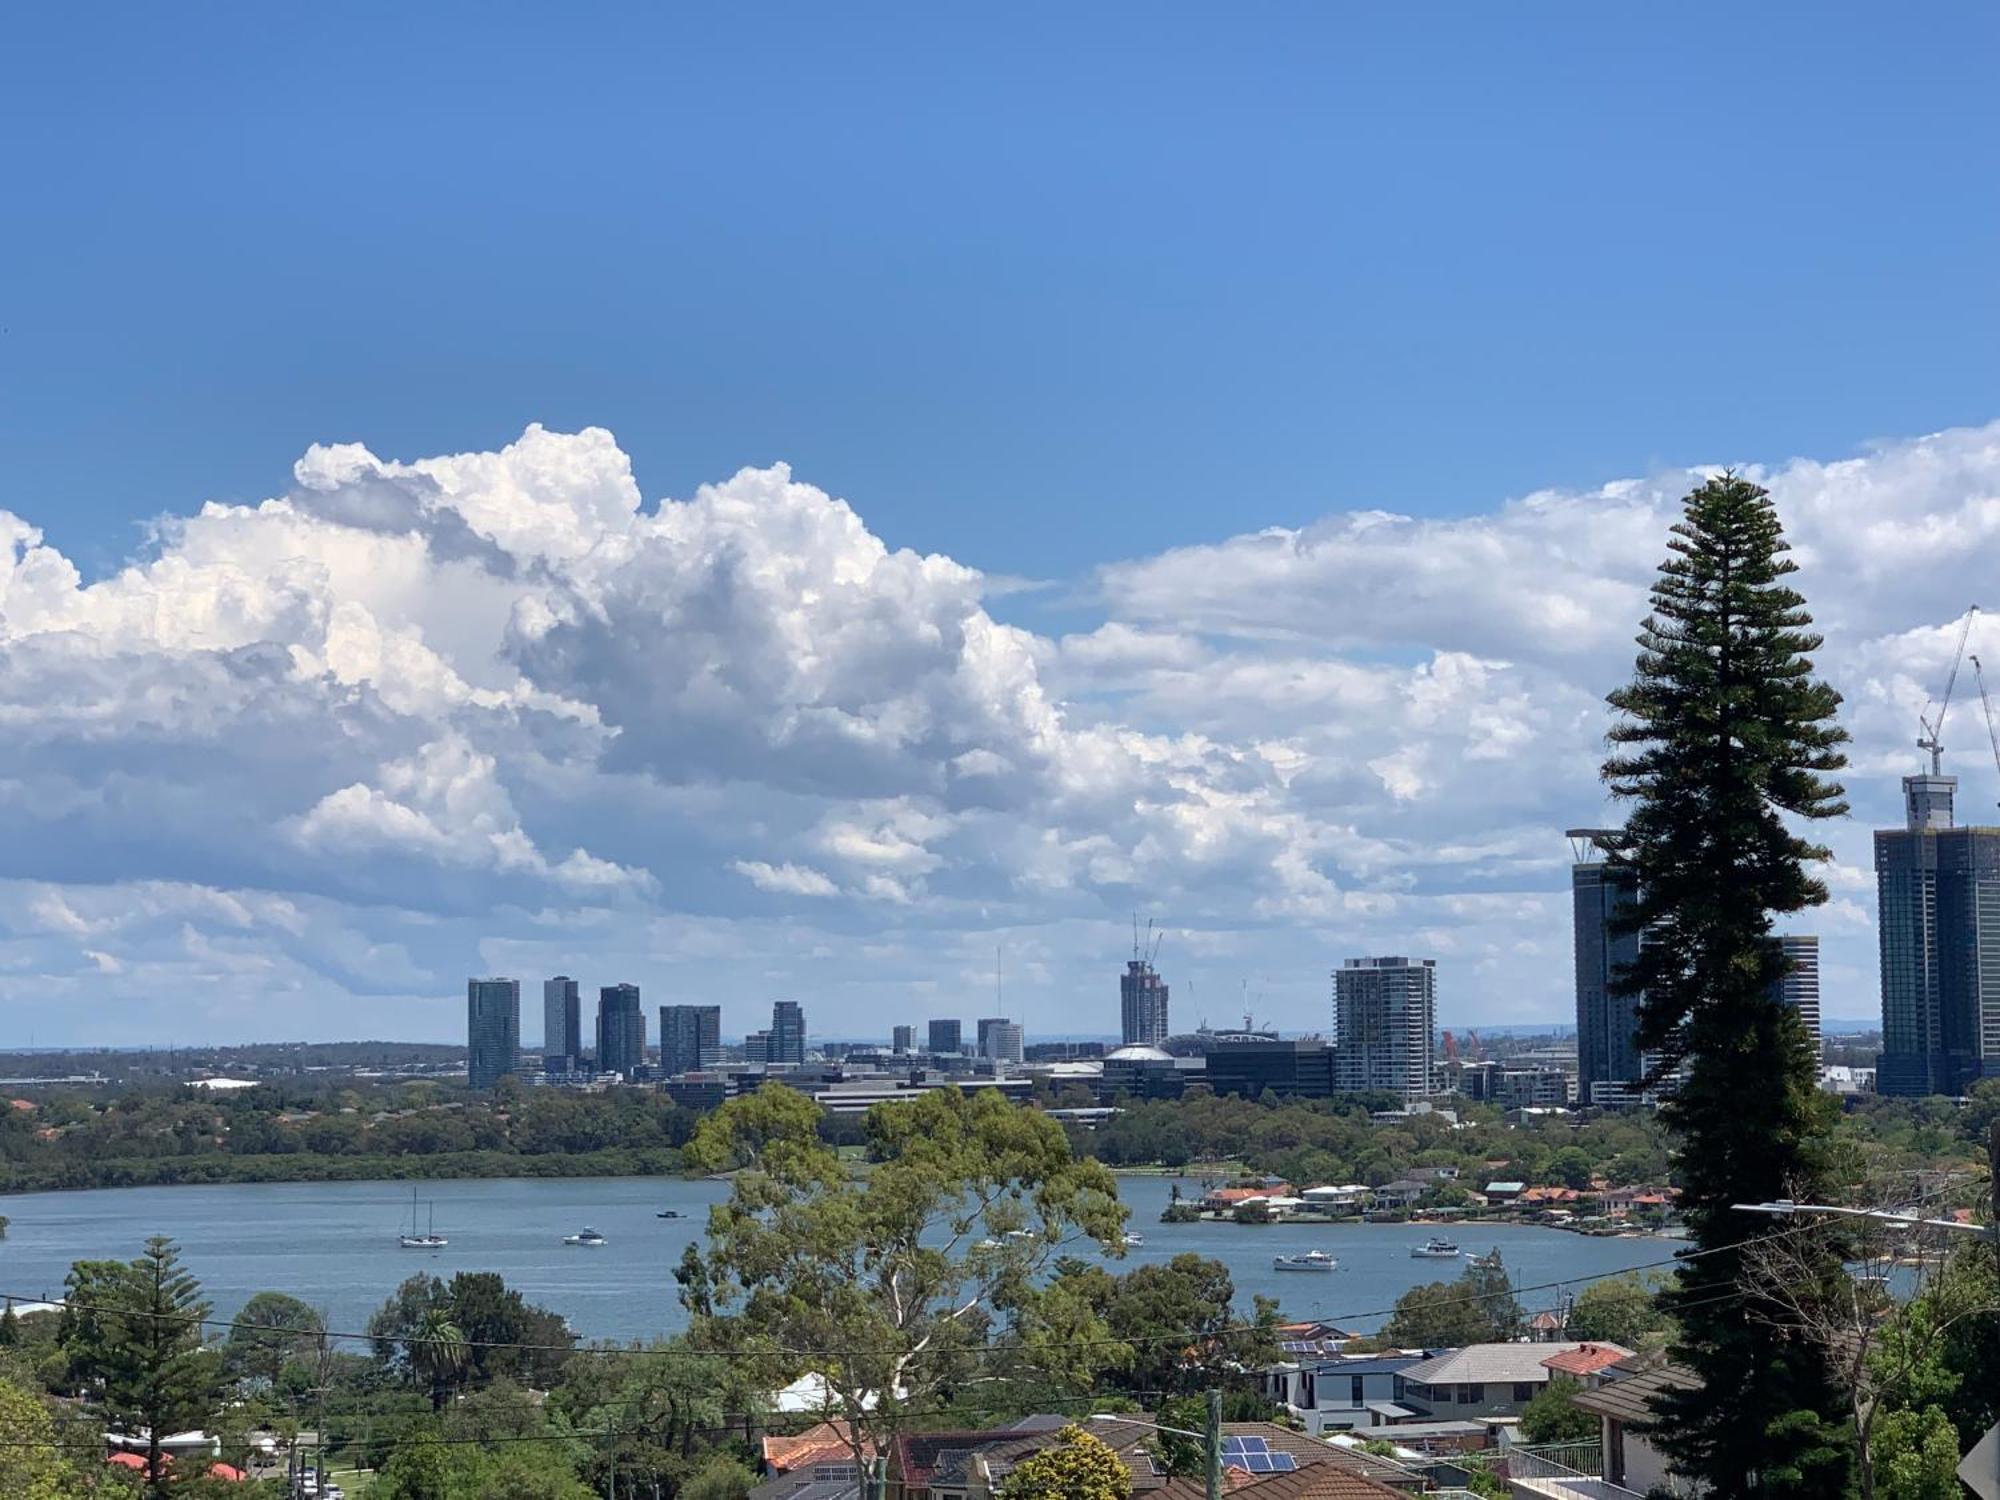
[1142, 1004]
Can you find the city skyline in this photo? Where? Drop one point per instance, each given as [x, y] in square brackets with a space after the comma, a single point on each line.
[672, 600]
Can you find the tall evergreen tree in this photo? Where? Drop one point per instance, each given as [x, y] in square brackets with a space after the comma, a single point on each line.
[133, 1331]
[1725, 743]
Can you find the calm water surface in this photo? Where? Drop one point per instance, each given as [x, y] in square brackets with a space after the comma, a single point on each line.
[334, 1244]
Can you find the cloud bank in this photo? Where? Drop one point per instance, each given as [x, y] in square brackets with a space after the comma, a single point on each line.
[302, 766]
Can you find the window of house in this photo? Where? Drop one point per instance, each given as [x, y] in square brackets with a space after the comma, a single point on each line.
[1354, 1396]
[1526, 1390]
[1471, 1395]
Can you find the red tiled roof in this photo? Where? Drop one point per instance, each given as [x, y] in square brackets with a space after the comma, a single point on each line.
[822, 1443]
[1586, 1359]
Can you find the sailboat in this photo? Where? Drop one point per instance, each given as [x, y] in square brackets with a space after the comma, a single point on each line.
[430, 1239]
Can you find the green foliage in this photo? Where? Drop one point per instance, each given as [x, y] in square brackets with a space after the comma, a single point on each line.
[1554, 1417]
[1076, 1466]
[272, 1330]
[1478, 1308]
[31, 1467]
[887, 1284]
[1916, 1456]
[473, 1329]
[337, 1132]
[721, 1478]
[133, 1333]
[1618, 1310]
[429, 1463]
[1725, 741]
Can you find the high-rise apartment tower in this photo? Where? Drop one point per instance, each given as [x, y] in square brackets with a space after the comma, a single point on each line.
[1937, 890]
[902, 1039]
[1000, 1039]
[690, 1037]
[1799, 988]
[946, 1037]
[621, 1030]
[1607, 1023]
[1384, 1017]
[492, 1030]
[788, 1032]
[562, 1025]
[1142, 1004]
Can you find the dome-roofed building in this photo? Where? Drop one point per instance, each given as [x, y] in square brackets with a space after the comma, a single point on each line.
[1143, 1071]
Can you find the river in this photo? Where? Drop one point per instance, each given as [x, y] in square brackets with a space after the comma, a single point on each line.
[334, 1244]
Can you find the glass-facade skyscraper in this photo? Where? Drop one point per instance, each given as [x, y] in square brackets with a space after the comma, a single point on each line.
[945, 1037]
[1938, 897]
[1000, 1039]
[562, 1025]
[690, 1037]
[621, 1030]
[1607, 1023]
[492, 1030]
[788, 1033]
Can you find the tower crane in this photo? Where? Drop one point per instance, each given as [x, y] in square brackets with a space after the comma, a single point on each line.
[1986, 706]
[1932, 739]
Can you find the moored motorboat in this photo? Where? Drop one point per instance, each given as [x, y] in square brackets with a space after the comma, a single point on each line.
[584, 1236]
[1304, 1260]
[1435, 1248]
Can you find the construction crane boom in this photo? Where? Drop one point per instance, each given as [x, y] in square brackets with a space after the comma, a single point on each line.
[1986, 707]
[1932, 739]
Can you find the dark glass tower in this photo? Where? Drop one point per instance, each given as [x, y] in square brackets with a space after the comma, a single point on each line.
[1938, 895]
[1607, 1023]
[690, 1037]
[562, 1025]
[492, 1030]
[788, 1032]
[621, 1030]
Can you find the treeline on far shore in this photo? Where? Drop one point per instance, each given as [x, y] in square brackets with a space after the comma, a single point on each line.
[333, 1132]
[214, 1167]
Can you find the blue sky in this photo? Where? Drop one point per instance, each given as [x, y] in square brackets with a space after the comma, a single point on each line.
[1154, 304]
[1043, 286]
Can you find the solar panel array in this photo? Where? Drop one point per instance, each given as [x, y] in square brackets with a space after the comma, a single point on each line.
[1254, 1455]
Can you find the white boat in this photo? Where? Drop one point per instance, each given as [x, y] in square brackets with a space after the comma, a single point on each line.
[1306, 1260]
[585, 1236]
[1134, 1239]
[430, 1239]
[1435, 1248]
[1490, 1261]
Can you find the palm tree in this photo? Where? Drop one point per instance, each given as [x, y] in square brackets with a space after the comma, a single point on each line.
[439, 1354]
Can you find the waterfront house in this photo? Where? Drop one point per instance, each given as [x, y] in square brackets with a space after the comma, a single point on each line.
[1333, 1199]
[1503, 1194]
[1402, 1193]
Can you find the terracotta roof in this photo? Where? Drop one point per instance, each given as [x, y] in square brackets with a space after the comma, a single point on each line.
[822, 1443]
[1586, 1359]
